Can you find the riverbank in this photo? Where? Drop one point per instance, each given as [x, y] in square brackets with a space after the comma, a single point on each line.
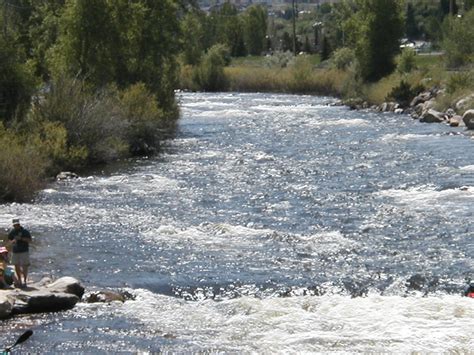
[424, 89]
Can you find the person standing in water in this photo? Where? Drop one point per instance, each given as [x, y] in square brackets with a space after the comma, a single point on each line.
[20, 238]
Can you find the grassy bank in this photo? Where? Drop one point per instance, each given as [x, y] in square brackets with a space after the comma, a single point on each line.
[307, 75]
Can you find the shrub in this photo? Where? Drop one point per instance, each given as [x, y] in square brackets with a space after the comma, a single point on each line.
[459, 81]
[301, 75]
[92, 120]
[279, 59]
[145, 118]
[406, 61]
[22, 167]
[209, 75]
[404, 93]
[342, 58]
[353, 83]
[50, 138]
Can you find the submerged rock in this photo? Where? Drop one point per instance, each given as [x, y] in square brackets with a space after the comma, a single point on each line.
[66, 175]
[109, 296]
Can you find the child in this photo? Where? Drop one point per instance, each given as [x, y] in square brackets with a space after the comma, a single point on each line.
[7, 275]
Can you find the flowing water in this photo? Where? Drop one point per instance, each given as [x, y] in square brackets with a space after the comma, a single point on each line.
[271, 224]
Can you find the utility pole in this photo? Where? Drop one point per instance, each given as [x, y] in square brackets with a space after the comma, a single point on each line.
[294, 27]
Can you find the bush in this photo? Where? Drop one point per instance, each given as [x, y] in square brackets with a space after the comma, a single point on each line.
[404, 93]
[145, 118]
[22, 167]
[406, 61]
[353, 83]
[209, 75]
[458, 41]
[460, 81]
[93, 121]
[342, 58]
[301, 75]
[50, 138]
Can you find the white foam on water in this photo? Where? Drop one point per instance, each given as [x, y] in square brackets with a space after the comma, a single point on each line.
[467, 168]
[217, 114]
[427, 194]
[214, 237]
[393, 137]
[330, 323]
[355, 122]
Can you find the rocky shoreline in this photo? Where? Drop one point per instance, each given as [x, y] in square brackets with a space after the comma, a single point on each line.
[422, 108]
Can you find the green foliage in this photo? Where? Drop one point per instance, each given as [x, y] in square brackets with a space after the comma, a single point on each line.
[353, 86]
[22, 167]
[404, 93]
[406, 61]
[93, 121]
[85, 46]
[460, 81]
[193, 38]
[229, 29]
[458, 40]
[343, 57]
[50, 138]
[279, 59]
[376, 48]
[255, 29]
[301, 71]
[122, 42]
[144, 116]
[17, 83]
[209, 75]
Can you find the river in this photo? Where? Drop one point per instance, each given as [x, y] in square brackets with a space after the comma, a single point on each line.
[270, 224]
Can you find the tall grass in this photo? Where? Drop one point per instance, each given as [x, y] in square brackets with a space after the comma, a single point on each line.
[302, 79]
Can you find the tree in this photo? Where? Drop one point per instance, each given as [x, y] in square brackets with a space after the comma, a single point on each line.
[193, 30]
[17, 83]
[255, 29]
[229, 29]
[376, 29]
[458, 41]
[85, 46]
[411, 26]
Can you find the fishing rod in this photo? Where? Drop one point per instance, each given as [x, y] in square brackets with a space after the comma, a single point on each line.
[20, 340]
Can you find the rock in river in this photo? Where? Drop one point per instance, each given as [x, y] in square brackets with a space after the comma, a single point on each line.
[62, 294]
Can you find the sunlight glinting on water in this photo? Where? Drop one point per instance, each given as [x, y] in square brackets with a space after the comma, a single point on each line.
[273, 224]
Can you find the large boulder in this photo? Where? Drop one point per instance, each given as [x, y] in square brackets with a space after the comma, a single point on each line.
[465, 103]
[455, 121]
[44, 296]
[421, 98]
[43, 301]
[66, 284]
[432, 116]
[468, 119]
[388, 106]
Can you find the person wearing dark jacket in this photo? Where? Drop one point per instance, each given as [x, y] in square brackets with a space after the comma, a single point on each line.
[20, 238]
